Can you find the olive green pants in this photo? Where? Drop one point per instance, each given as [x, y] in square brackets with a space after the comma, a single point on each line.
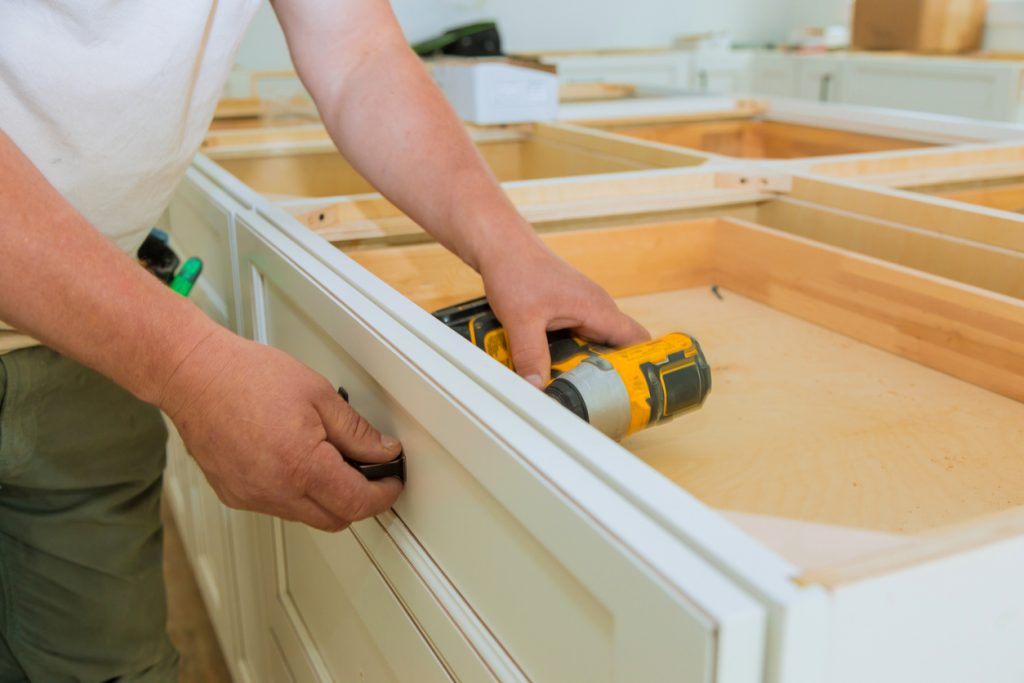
[81, 583]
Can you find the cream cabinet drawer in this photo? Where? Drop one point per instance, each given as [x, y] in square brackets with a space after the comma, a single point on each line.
[545, 572]
[335, 618]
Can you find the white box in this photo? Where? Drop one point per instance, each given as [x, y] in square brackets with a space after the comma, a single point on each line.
[490, 92]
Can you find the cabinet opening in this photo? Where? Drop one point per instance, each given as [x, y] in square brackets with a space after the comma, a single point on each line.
[757, 137]
[858, 406]
[307, 165]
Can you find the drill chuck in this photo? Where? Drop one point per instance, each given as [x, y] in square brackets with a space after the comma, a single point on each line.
[621, 391]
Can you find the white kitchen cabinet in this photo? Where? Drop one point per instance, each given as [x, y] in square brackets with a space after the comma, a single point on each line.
[549, 575]
[978, 89]
[527, 546]
[773, 74]
[819, 78]
[721, 72]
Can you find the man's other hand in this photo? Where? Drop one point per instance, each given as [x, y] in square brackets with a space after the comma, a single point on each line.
[269, 434]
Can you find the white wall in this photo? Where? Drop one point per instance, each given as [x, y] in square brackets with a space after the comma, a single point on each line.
[819, 12]
[588, 24]
[549, 25]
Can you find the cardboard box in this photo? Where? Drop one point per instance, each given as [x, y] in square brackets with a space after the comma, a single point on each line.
[493, 91]
[933, 26]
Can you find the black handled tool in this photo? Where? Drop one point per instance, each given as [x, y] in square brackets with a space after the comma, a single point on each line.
[376, 470]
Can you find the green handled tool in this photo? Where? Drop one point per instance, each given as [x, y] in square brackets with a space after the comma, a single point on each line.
[187, 276]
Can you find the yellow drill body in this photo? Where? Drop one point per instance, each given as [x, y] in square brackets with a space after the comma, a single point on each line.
[619, 391]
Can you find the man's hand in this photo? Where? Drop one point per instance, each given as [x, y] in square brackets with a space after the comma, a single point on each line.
[269, 432]
[533, 291]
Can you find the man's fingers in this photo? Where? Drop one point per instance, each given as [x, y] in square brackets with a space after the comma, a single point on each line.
[614, 328]
[530, 353]
[344, 492]
[353, 435]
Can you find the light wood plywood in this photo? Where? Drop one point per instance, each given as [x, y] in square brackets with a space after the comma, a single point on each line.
[759, 139]
[301, 161]
[1003, 196]
[839, 391]
[807, 424]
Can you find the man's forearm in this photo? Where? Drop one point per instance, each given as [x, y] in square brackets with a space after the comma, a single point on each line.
[67, 285]
[392, 123]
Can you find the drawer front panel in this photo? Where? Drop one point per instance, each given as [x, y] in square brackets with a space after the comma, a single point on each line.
[336, 602]
[564, 597]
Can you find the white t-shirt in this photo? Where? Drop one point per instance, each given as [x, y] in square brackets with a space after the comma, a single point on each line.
[110, 100]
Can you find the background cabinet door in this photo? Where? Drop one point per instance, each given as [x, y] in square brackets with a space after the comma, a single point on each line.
[985, 91]
[773, 74]
[722, 73]
[819, 78]
[569, 582]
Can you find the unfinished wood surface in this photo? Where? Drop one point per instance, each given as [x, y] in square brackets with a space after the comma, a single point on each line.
[814, 546]
[967, 332]
[239, 107]
[1003, 196]
[372, 220]
[808, 424]
[756, 139]
[987, 227]
[743, 110]
[918, 168]
[822, 408]
[591, 92]
[929, 546]
[545, 152]
[673, 256]
[993, 268]
[597, 142]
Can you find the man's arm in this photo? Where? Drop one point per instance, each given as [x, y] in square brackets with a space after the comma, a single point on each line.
[392, 123]
[266, 429]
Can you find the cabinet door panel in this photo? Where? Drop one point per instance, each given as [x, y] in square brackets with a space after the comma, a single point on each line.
[565, 596]
[355, 625]
[773, 75]
[941, 88]
[819, 79]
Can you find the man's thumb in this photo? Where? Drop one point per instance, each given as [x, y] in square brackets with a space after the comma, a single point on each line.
[353, 436]
[531, 356]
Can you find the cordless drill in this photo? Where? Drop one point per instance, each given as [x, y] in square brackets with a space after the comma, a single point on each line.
[618, 391]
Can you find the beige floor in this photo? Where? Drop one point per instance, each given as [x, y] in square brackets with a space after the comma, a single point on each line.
[188, 624]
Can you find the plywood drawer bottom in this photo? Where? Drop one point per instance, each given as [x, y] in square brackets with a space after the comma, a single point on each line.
[857, 405]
